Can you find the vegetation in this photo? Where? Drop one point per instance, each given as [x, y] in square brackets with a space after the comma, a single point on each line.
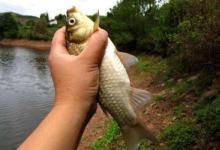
[181, 135]
[110, 135]
[208, 118]
[8, 26]
[28, 27]
[183, 36]
[185, 31]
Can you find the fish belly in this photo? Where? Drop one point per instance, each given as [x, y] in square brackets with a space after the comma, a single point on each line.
[114, 94]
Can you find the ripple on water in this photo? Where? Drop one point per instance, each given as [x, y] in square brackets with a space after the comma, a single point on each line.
[26, 94]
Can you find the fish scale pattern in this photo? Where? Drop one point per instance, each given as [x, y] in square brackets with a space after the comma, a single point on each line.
[74, 48]
[114, 92]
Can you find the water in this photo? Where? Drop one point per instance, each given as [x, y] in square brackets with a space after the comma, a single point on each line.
[26, 93]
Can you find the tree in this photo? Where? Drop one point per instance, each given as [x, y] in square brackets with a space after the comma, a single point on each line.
[8, 26]
[61, 19]
[130, 22]
[41, 26]
[45, 17]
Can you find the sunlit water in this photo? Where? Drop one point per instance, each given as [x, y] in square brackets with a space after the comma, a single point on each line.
[26, 93]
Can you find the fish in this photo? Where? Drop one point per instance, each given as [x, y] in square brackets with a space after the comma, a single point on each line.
[116, 95]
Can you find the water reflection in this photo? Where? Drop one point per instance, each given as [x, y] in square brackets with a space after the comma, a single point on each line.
[26, 93]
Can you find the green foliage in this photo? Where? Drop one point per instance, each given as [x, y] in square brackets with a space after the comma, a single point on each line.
[181, 135]
[185, 31]
[41, 28]
[8, 26]
[208, 117]
[159, 97]
[192, 44]
[179, 111]
[61, 19]
[155, 65]
[13, 26]
[110, 135]
[45, 17]
[127, 23]
[205, 79]
[144, 145]
[181, 88]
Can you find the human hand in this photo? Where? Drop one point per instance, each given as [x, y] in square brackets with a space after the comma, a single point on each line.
[76, 78]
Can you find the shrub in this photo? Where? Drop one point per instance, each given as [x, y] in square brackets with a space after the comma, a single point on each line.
[180, 135]
[208, 117]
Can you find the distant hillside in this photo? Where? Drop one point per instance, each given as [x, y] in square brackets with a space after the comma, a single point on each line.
[23, 19]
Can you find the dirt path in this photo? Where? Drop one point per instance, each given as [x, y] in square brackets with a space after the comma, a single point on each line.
[155, 116]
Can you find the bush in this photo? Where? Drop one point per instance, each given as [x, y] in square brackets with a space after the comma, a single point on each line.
[181, 135]
[8, 26]
[208, 117]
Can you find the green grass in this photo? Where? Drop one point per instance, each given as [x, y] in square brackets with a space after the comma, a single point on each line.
[111, 134]
[145, 145]
[179, 111]
[155, 65]
[159, 97]
[181, 88]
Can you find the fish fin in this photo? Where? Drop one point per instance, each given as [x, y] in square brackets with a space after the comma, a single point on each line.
[97, 22]
[127, 59]
[135, 134]
[140, 98]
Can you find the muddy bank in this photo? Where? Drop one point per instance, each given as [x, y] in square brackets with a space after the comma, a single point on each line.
[39, 45]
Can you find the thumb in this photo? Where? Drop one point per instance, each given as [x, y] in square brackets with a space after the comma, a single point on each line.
[95, 47]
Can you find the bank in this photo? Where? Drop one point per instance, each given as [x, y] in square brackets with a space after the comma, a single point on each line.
[39, 45]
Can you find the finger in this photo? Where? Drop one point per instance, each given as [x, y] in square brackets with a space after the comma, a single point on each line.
[95, 47]
[58, 44]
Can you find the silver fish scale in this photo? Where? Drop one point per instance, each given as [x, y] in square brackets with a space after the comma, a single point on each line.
[114, 92]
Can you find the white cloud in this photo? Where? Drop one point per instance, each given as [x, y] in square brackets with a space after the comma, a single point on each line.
[54, 7]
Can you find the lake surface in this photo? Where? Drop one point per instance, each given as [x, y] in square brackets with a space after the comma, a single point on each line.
[26, 93]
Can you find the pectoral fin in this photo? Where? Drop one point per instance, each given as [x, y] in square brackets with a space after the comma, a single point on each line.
[127, 59]
[140, 98]
[96, 23]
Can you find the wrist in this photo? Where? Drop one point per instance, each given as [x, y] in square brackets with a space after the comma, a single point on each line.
[73, 102]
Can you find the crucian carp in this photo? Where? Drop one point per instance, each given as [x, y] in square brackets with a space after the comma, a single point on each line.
[116, 96]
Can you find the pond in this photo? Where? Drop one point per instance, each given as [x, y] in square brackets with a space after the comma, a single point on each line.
[26, 93]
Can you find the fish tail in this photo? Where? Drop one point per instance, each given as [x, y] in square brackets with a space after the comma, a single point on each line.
[135, 134]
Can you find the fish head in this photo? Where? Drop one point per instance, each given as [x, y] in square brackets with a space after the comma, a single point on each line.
[79, 27]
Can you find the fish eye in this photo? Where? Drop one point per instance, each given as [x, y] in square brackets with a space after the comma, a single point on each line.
[72, 21]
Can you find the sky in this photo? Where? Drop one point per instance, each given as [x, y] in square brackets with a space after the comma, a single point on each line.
[55, 7]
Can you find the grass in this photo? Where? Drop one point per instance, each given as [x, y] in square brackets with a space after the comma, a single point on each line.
[155, 65]
[145, 145]
[179, 111]
[111, 134]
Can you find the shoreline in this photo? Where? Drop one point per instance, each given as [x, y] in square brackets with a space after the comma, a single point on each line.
[38, 45]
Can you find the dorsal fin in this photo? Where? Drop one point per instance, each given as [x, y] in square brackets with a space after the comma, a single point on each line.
[127, 59]
[97, 22]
